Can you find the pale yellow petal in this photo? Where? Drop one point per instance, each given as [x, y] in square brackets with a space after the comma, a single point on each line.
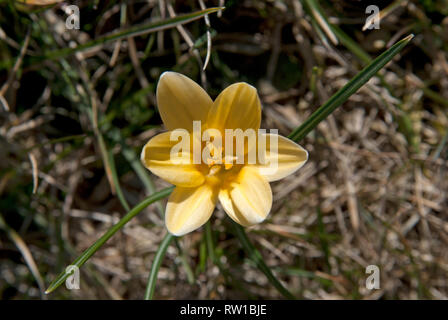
[189, 208]
[231, 209]
[237, 107]
[247, 200]
[181, 101]
[282, 162]
[180, 171]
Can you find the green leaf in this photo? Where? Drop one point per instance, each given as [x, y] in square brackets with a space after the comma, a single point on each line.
[156, 265]
[116, 180]
[215, 258]
[134, 31]
[101, 241]
[339, 35]
[256, 257]
[350, 88]
[321, 20]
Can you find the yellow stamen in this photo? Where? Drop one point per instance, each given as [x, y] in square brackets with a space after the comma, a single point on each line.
[214, 170]
[211, 162]
[228, 162]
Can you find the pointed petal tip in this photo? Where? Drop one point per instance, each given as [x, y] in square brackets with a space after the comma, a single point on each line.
[166, 73]
[181, 231]
[244, 84]
[180, 101]
[177, 234]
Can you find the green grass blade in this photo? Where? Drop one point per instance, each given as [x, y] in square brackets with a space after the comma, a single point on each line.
[210, 245]
[130, 32]
[316, 10]
[101, 241]
[133, 31]
[321, 20]
[156, 265]
[256, 257]
[350, 88]
[116, 181]
[440, 147]
[184, 261]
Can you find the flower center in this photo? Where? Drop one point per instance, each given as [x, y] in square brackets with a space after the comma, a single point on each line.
[218, 160]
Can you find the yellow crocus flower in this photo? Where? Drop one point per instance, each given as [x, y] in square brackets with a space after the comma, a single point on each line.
[242, 189]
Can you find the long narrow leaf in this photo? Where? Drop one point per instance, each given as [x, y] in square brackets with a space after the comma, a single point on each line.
[156, 265]
[322, 20]
[133, 31]
[350, 88]
[256, 257]
[101, 241]
[116, 181]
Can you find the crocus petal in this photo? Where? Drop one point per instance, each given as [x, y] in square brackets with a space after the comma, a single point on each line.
[181, 101]
[231, 209]
[282, 162]
[237, 107]
[247, 200]
[157, 158]
[189, 208]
